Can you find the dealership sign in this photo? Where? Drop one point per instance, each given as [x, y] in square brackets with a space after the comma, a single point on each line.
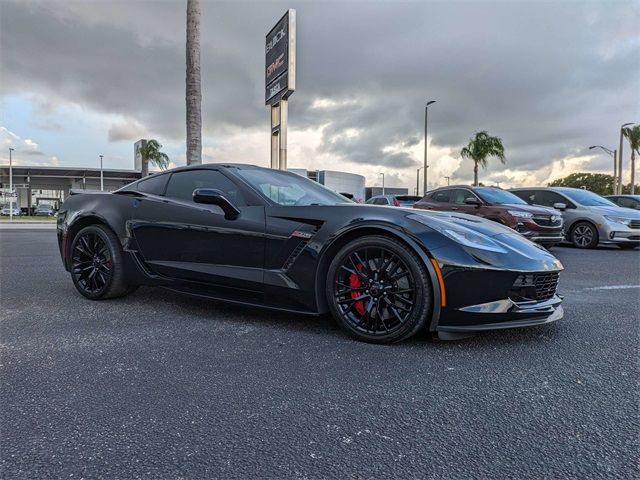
[280, 54]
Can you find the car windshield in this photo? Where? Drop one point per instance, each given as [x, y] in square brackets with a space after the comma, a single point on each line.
[499, 197]
[588, 199]
[286, 188]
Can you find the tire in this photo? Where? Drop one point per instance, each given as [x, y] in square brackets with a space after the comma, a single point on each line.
[627, 246]
[379, 290]
[584, 235]
[97, 264]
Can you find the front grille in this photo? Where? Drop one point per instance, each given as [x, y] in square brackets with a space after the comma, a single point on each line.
[635, 224]
[548, 221]
[534, 287]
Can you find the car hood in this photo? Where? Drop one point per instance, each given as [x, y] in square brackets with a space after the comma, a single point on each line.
[473, 222]
[517, 253]
[534, 209]
[617, 212]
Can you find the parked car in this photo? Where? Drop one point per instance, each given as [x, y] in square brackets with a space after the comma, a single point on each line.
[272, 238]
[538, 224]
[394, 200]
[589, 218]
[6, 210]
[627, 201]
[44, 210]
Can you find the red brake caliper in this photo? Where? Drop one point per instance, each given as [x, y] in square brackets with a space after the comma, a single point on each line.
[355, 282]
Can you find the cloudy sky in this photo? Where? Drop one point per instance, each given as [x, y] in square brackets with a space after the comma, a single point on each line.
[79, 79]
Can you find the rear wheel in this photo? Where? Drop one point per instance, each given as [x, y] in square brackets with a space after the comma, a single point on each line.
[379, 290]
[97, 266]
[584, 235]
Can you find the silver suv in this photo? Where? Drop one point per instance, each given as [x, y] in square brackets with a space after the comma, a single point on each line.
[589, 218]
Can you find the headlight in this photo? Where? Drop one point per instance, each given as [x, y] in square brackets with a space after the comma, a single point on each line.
[459, 234]
[520, 214]
[622, 220]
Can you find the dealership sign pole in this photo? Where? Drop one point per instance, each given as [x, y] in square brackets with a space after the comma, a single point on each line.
[280, 82]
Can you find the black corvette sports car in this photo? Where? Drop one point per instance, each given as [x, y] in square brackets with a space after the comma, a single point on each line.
[270, 238]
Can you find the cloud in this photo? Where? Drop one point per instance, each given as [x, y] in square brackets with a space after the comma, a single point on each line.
[22, 147]
[550, 81]
[126, 130]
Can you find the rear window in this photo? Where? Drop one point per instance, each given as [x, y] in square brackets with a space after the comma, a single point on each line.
[155, 184]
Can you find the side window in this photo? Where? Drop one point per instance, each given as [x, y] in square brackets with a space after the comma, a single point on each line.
[154, 184]
[549, 198]
[381, 201]
[529, 196]
[625, 202]
[182, 184]
[441, 196]
[459, 195]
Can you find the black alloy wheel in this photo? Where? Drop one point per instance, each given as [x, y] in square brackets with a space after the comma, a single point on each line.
[96, 264]
[584, 235]
[379, 290]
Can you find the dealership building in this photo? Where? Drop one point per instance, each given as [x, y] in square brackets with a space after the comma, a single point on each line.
[35, 185]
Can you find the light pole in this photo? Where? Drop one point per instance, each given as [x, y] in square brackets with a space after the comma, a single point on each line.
[426, 121]
[615, 170]
[448, 178]
[620, 158]
[10, 185]
[382, 182]
[101, 176]
[418, 181]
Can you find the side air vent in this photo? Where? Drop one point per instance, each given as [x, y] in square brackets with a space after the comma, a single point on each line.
[295, 254]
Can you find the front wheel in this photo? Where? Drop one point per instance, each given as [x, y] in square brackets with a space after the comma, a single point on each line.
[97, 266]
[584, 235]
[379, 290]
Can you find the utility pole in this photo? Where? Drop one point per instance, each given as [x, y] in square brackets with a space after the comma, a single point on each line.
[426, 121]
[10, 185]
[448, 178]
[619, 192]
[101, 176]
[382, 182]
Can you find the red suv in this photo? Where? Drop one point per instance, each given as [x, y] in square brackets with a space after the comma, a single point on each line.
[538, 224]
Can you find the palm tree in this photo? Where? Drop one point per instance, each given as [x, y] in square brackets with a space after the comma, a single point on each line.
[193, 93]
[480, 149]
[633, 135]
[150, 152]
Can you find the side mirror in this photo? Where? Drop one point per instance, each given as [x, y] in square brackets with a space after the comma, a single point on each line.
[472, 201]
[560, 206]
[213, 196]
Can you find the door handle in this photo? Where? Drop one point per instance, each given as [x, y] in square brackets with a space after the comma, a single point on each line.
[454, 208]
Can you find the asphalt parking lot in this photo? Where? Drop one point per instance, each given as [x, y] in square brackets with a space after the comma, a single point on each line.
[160, 385]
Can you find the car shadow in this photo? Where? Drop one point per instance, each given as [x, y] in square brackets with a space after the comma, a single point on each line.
[209, 310]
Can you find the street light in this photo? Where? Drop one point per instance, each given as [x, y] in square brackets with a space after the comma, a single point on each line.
[10, 185]
[426, 121]
[620, 159]
[448, 178]
[615, 168]
[418, 180]
[101, 176]
[382, 182]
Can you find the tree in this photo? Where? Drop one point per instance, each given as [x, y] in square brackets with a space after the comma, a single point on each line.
[633, 135]
[150, 152]
[193, 94]
[599, 183]
[480, 148]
